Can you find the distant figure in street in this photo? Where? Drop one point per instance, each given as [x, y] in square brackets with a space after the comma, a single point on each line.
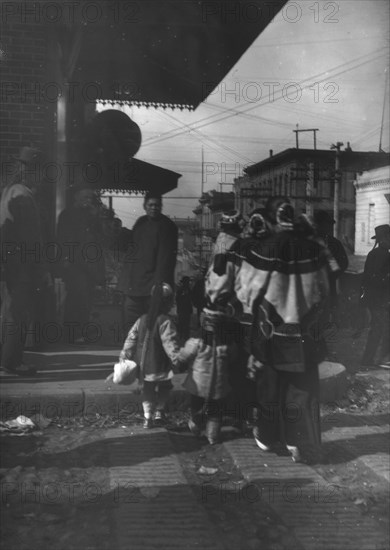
[24, 276]
[184, 308]
[153, 344]
[376, 296]
[150, 259]
[80, 236]
[323, 223]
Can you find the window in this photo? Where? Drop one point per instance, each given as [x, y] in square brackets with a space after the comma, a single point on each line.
[371, 220]
[286, 189]
[363, 232]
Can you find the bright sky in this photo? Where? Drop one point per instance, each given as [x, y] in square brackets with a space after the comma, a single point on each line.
[319, 64]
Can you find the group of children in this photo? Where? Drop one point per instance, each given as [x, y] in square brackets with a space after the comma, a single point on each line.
[153, 343]
[276, 252]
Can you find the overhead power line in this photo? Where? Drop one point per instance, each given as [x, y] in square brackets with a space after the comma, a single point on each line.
[305, 83]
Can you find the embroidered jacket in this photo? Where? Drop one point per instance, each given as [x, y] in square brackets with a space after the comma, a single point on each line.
[282, 282]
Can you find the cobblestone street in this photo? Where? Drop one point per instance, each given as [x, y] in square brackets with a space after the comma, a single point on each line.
[195, 275]
[100, 484]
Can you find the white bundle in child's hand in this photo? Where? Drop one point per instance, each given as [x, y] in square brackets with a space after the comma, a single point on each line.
[125, 372]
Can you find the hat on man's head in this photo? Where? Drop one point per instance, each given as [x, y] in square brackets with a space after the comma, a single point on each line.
[381, 231]
[29, 155]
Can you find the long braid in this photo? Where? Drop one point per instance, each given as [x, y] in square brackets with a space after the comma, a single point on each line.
[155, 306]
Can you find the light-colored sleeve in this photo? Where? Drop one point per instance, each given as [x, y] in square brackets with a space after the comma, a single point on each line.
[170, 341]
[130, 344]
[218, 285]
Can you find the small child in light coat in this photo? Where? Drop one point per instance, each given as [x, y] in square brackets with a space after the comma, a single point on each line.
[153, 344]
[208, 381]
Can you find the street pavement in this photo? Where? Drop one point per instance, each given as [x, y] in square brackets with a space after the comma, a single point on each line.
[161, 494]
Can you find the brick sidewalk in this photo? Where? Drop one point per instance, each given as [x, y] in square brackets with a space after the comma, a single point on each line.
[319, 515]
[156, 508]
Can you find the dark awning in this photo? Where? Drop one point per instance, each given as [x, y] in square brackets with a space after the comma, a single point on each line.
[160, 52]
[137, 176]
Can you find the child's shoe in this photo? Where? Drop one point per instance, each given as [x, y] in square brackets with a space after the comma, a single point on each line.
[159, 417]
[295, 454]
[148, 423]
[265, 448]
[262, 446]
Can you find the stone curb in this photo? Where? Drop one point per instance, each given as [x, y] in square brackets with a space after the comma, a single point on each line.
[333, 382]
[81, 401]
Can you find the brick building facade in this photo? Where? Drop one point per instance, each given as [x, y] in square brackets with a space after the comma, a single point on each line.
[307, 178]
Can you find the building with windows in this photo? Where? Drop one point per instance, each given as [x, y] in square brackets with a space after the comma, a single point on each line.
[372, 206]
[307, 177]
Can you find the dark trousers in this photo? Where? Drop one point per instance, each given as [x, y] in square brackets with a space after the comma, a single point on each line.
[17, 313]
[241, 401]
[203, 410]
[134, 307]
[378, 335]
[183, 325]
[288, 408]
[78, 303]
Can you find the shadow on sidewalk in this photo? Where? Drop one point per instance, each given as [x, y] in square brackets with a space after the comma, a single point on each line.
[345, 450]
[340, 420]
[68, 363]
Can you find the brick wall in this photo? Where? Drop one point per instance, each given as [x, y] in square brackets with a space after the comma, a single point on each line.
[26, 109]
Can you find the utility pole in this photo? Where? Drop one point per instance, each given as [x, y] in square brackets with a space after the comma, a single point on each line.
[337, 178]
[383, 113]
[314, 130]
[201, 215]
[309, 188]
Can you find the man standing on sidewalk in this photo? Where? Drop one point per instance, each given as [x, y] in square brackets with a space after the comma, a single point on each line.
[376, 281]
[79, 235]
[324, 223]
[151, 258]
[23, 274]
